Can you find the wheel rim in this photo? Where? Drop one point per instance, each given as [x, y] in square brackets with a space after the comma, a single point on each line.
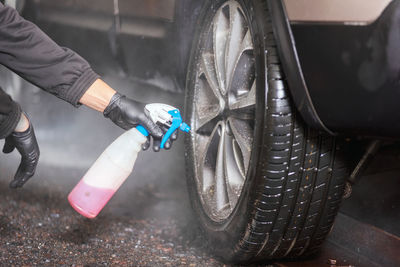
[224, 110]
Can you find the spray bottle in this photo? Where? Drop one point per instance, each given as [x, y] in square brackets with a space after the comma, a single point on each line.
[116, 163]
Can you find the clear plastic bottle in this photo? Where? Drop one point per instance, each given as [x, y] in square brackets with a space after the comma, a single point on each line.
[107, 174]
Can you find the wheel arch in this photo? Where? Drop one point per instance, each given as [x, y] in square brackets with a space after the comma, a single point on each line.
[291, 65]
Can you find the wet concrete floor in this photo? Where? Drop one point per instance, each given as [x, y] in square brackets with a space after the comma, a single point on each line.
[149, 221]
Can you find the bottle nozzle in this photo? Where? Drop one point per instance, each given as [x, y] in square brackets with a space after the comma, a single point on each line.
[184, 127]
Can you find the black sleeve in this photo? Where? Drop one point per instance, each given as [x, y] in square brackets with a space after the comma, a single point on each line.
[10, 113]
[29, 52]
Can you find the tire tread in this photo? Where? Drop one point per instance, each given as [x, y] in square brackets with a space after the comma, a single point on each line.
[302, 177]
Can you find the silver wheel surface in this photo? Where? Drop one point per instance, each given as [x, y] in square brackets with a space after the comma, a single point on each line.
[224, 110]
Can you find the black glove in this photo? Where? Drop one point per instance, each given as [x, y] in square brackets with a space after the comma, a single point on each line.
[27, 146]
[128, 113]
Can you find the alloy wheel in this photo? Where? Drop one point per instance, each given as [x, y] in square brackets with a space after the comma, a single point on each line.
[224, 110]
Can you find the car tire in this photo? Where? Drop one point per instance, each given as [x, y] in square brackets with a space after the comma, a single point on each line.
[295, 178]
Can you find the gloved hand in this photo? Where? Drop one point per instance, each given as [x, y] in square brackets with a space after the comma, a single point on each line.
[27, 146]
[128, 113]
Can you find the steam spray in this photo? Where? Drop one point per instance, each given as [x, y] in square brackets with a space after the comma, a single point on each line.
[116, 163]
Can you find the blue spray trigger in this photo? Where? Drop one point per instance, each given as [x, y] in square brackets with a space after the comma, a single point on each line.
[176, 124]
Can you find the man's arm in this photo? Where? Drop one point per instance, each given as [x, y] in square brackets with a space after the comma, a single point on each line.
[29, 52]
[26, 50]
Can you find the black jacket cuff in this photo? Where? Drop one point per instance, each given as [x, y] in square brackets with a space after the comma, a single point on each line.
[9, 121]
[79, 88]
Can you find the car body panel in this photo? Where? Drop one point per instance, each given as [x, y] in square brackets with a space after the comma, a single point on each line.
[150, 9]
[134, 33]
[149, 18]
[338, 11]
[352, 73]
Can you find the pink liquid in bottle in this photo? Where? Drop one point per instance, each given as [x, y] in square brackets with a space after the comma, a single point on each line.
[89, 200]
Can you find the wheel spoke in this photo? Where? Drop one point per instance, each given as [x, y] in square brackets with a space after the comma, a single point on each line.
[235, 36]
[206, 122]
[234, 176]
[247, 43]
[221, 193]
[208, 69]
[243, 133]
[243, 86]
[233, 168]
[207, 106]
[207, 149]
[220, 33]
[246, 101]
